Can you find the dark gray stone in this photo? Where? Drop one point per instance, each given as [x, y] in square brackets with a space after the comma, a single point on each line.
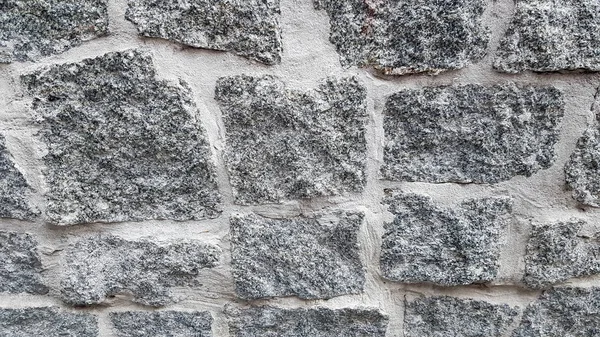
[318, 322]
[284, 144]
[549, 35]
[448, 247]
[309, 257]
[471, 133]
[47, 322]
[122, 144]
[562, 312]
[246, 27]
[14, 189]
[558, 252]
[20, 264]
[452, 317]
[404, 37]
[162, 324]
[102, 266]
[31, 29]
[582, 171]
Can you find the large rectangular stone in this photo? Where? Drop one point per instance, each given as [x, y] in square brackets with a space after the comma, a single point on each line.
[47, 322]
[20, 264]
[162, 324]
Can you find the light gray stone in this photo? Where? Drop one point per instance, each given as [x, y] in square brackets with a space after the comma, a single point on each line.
[444, 246]
[248, 28]
[20, 264]
[31, 29]
[308, 257]
[471, 133]
[162, 324]
[14, 189]
[123, 145]
[102, 266]
[284, 144]
[582, 171]
[47, 322]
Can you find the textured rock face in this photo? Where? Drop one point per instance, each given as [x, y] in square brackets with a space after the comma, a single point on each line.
[557, 252]
[31, 29]
[47, 322]
[548, 35]
[562, 312]
[470, 134]
[101, 266]
[319, 322]
[582, 172]
[403, 37]
[247, 27]
[14, 189]
[162, 324]
[20, 264]
[448, 247]
[307, 257]
[453, 317]
[122, 144]
[284, 144]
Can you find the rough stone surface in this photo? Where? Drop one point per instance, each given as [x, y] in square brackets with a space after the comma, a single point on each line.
[311, 258]
[20, 264]
[31, 29]
[162, 324]
[318, 322]
[562, 312]
[453, 317]
[549, 35]
[14, 189]
[582, 171]
[122, 144]
[102, 266]
[448, 247]
[284, 144]
[471, 133]
[47, 322]
[557, 252]
[403, 37]
[246, 27]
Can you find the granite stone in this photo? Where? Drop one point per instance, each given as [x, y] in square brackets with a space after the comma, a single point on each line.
[20, 264]
[471, 133]
[14, 189]
[162, 324]
[32, 29]
[102, 266]
[286, 144]
[405, 37]
[582, 171]
[441, 245]
[47, 322]
[123, 145]
[309, 257]
[249, 28]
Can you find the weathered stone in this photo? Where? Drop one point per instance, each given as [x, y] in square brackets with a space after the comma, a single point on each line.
[31, 29]
[20, 264]
[162, 324]
[122, 144]
[448, 247]
[246, 27]
[403, 37]
[285, 144]
[14, 189]
[471, 133]
[557, 252]
[453, 317]
[309, 257]
[102, 266]
[318, 322]
[582, 171]
[47, 322]
[562, 312]
[549, 35]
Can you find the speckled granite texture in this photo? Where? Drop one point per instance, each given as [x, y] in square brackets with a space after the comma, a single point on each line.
[582, 169]
[14, 189]
[48, 321]
[162, 324]
[20, 264]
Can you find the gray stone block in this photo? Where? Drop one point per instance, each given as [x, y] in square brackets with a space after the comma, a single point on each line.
[444, 246]
[549, 35]
[162, 323]
[453, 317]
[308, 257]
[14, 189]
[471, 133]
[582, 171]
[103, 266]
[284, 144]
[123, 145]
[31, 29]
[317, 322]
[407, 37]
[47, 322]
[248, 28]
[20, 264]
